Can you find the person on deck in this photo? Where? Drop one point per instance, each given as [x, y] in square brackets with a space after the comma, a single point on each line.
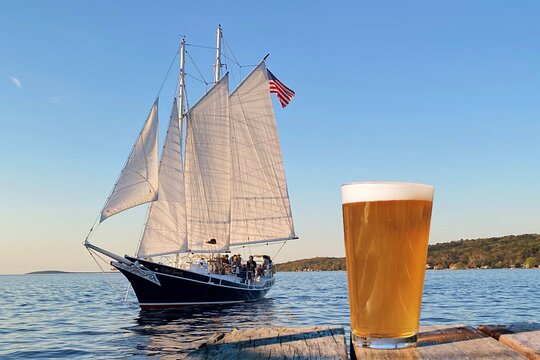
[251, 266]
[232, 263]
[238, 263]
[243, 273]
[225, 264]
[203, 263]
[267, 265]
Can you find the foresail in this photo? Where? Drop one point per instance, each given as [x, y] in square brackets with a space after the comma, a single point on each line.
[208, 171]
[260, 208]
[138, 181]
[165, 229]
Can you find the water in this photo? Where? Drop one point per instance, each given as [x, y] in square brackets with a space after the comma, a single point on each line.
[81, 316]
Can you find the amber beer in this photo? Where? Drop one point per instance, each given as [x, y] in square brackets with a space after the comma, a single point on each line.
[386, 229]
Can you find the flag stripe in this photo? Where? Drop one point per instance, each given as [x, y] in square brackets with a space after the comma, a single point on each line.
[284, 94]
[282, 86]
[277, 91]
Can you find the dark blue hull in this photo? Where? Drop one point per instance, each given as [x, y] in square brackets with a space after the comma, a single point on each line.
[160, 286]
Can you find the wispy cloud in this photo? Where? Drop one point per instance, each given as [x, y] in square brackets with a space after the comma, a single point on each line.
[55, 99]
[16, 81]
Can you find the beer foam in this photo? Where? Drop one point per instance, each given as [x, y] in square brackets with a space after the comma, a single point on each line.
[385, 191]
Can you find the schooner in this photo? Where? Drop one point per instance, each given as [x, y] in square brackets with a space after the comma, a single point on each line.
[220, 184]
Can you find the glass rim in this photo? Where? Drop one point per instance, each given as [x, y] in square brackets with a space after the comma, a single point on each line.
[369, 191]
[385, 183]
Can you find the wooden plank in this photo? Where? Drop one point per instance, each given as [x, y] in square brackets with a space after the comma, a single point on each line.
[523, 338]
[320, 342]
[444, 342]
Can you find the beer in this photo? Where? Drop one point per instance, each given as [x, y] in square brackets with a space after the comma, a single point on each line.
[386, 240]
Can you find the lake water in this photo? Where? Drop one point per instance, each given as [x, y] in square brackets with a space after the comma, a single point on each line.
[80, 315]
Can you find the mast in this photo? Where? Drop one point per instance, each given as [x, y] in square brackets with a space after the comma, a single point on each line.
[217, 66]
[165, 230]
[180, 102]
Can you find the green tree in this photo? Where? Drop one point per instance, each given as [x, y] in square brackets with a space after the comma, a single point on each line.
[530, 262]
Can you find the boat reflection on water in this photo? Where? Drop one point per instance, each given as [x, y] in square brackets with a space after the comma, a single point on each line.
[177, 331]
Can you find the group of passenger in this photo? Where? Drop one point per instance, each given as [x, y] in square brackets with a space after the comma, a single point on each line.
[247, 271]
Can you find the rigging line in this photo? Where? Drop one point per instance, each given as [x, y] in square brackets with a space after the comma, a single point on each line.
[127, 293]
[231, 59]
[196, 78]
[168, 71]
[92, 228]
[239, 65]
[281, 247]
[196, 67]
[103, 271]
[201, 46]
[235, 61]
[230, 50]
[186, 110]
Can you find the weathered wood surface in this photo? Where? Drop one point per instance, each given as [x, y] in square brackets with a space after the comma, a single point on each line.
[444, 342]
[525, 339]
[320, 342]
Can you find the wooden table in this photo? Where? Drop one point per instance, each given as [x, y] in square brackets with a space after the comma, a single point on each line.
[325, 342]
[319, 342]
[445, 342]
[525, 339]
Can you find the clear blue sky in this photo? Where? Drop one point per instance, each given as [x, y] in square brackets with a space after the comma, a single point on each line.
[445, 93]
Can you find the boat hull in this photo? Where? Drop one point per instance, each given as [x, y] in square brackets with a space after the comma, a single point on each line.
[161, 286]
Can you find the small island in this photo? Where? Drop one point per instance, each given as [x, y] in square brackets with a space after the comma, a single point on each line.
[512, 251]
[45, 272]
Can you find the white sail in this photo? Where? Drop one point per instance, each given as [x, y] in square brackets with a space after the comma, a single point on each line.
[138, 181]
[260, 209]
[165, 229]
[208, 171]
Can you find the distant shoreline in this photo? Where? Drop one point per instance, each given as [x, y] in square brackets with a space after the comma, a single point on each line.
[311, 270]
[59, 272]
[507, 252]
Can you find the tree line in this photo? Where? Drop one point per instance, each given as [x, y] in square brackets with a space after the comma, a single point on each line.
[512, 251]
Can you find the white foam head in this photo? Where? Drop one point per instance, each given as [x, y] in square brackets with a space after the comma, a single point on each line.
[385, 191]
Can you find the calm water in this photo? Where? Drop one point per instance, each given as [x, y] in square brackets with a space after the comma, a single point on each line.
[80, 315]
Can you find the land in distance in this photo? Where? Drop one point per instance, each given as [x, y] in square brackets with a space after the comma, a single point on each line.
[48, 272]
[512, 251]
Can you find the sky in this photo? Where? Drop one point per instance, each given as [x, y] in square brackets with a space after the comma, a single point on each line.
[439, 92]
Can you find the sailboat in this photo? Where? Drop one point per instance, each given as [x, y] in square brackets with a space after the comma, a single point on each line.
[219, 185]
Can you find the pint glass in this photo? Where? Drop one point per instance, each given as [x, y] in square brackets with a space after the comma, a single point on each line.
[386, 226]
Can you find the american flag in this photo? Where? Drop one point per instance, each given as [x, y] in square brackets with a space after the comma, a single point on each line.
[284, 94]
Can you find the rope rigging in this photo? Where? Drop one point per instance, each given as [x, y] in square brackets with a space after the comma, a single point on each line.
[103, 271]
[197, 68]
[168, 71]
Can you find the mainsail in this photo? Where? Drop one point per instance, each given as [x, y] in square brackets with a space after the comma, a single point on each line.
[138, 181]
[260, 208]
[165, 228]
[208, 171]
